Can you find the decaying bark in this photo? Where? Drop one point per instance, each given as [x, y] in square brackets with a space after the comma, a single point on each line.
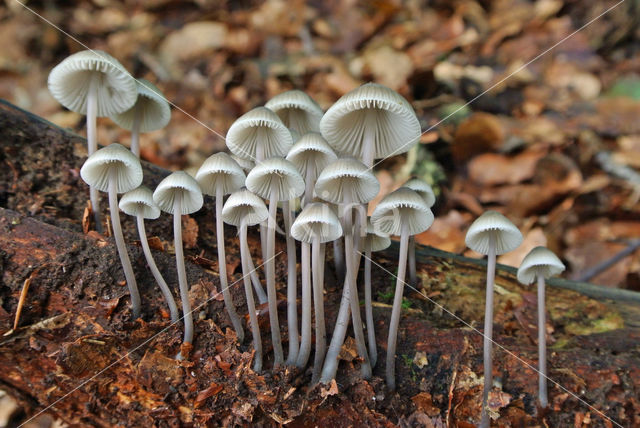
[77, 354]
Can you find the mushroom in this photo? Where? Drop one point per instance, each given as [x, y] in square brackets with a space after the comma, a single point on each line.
[539, 264]
[95, 84]
[114, 169]
[297, 110]
[316, 224]
[423, 189]
[491, 234]
[243, 209]
[150, 112]
[180, 194]
[139, 204]
[373, 241]
[350, 183]
[276, 179]
[402, 212]
[218, 176]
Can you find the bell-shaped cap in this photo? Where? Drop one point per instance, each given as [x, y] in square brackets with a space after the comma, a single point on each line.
[151, 106]
[423, 189]
[178, 183]
[246, 164]
[402, 207]
[316, 219]
[539, 262]
[139, 201]
[377, 240]
[246, 206]
[276, 173]
[490, 224]
[375, 109]
[347, 177]
[297, 110]
[112, 162]
[259, 126]
[220, 170]
[70, 80]
[311, 150]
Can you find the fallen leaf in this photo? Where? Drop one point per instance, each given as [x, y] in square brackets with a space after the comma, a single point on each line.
[203, 395]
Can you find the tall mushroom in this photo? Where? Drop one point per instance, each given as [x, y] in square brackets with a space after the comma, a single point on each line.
[350, 183]
[491, 234]
[539, 264]
[150, 112]
[402, 212]
[315, 225]
[423, 189]
[218, 176]
[243, 209]
[297, 110]
[374, 241]
[275, 179]
[179, 194]
[114, 169]
[139, 204]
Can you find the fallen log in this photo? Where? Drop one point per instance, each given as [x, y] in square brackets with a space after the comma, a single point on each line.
[77, 354]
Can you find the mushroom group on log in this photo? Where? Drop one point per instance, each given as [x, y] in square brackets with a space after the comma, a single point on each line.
[76, 352]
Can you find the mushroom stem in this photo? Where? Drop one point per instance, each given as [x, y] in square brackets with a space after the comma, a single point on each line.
[222, 268]
[338, 259]
[255, 280]
[166, 292]
[413, 276]
[120, 245]
[305, 343]
[397, 308]
[182, 273]
[373, 351]
[337, 338]
[278, 357]
[542, 345]
[488, 331]
[368, 141]
[135, 132]
[251, 306]
[92, 146]
[309, 182]
[317, 267]
[292, 285]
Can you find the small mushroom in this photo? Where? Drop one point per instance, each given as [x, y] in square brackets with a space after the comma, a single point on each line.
[95, 84]
[374, 241]
[243, 209]
[402, 212]
[297, 110]
[139, 204]
[218, 176]
[491, 234]
[423, 189]
[150, 112]
[315, 225]
[276, 179]
[180, 194]
[114, 169]
[539, 264]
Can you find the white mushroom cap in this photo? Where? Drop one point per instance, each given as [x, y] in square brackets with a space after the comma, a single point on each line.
[98, 169]
[423, 189]
[402, 206]
[539, 262]
[220, 170]
[506, 234]
[297, 110]
[139, 201]
[347, 175]
[244, 205]
[316, 219]
[276, 170]
[311, 149]
[178, 182]
[378, 240]
[153, 109]
[259, 125]
[391, 117]
[246, 164]
[69, 83]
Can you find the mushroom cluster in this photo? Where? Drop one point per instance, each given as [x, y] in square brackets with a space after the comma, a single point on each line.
[290, 153]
